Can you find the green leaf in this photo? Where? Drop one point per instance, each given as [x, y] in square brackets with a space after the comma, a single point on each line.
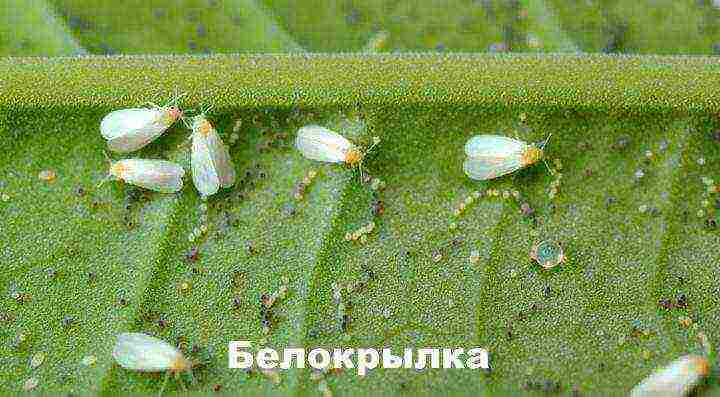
[84, 262]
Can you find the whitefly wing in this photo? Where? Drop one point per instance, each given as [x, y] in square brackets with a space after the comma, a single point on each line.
[676, 379]
[140, 352]
[159, 175]
[492, 156]
[321, 144]
[488, 168]
[128, 130]
[204, 173]
[221, 159]
[494, 146]
[119, 122]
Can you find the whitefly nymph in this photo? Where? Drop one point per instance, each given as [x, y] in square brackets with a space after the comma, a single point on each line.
[548, 254]
[128, 130]
[677, 379]
[492, 156]
[321, 144]
[158, 175]
[210, 158]
[144, 353]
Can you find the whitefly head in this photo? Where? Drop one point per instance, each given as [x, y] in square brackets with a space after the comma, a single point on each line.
[172, 111]
[535, 153]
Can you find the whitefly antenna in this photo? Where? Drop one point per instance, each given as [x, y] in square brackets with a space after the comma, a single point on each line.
[108, 176]
[546, 141]
[376, 141]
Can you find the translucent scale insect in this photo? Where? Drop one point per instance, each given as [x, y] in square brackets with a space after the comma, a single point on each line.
[676, 379]
[128, 130]
[158, 175]
[144, 353]
[492, 156]
[321, 144]
[210, 159]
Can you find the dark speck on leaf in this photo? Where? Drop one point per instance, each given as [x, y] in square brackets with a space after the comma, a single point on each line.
[193, 255]
[313, 333]
[192, 46]
[666, 303]
[201, 31]
[711, 223]
[68, 321]
[378, 208]
[682, 301]
[353, 17]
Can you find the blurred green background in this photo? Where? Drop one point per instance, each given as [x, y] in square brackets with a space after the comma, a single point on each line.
[66, 27]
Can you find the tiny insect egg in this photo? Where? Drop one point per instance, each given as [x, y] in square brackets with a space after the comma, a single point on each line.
[701, 161]
[47, 175]
[348, 236]
[685, 321]
[88, 360]
[643, 208]
[477, 194]
[474, 256]
[37, 360]
[469, 200]
[437, 257]
[4, 197]
[494, 192]
[506, 194]
[516, 194]
[700, 213]
[30, 384]
[184, 286]
[363, 239]
[639, 174]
